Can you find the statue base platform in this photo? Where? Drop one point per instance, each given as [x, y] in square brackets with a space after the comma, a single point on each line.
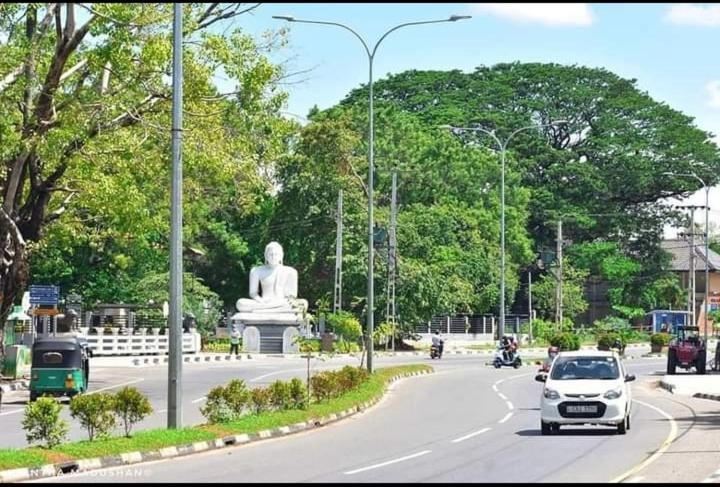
[269, 332]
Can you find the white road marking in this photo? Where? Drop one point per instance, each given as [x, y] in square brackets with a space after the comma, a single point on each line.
[666, 444]
[117, 385]
[502, 396]
[634, 480]
[711, 479]
[255, 379]
[495, 388]
[414, 455]
[161, 411]
[12, 412]
[507, 416]
[199, 400]
[463, 438]
[509, 405]
[499, 381]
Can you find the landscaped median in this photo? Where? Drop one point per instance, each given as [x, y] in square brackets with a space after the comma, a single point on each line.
[29, 463]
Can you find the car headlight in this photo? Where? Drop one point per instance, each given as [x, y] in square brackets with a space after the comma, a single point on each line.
[551, 394]
[613, 393]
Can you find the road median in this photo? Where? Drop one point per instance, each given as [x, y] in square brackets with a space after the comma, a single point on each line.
[150, 445]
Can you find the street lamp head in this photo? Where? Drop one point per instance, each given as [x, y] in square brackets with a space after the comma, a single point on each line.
[289, 18]
[559, 122]
[455, 18]
[446, 127]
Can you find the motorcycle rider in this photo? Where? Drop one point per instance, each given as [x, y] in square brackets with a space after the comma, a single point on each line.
[509, 346]
[438, 342]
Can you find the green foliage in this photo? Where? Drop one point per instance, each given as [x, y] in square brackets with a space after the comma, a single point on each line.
[216, 409]
[323, 386]
[42, 422]
[344, 324]
[565, 341]
[237, 396]
[280, 395]
[662, 339]
[96, 413]
[298, 394]
[606, 340]
[260, 399]
[343, 346]
[131, 406]
[382, 334]
[217, 345]
[544, 296]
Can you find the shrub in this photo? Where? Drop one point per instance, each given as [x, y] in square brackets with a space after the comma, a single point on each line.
[298, 394]
[42, 422]
[607, 339]
[544, 330]
[565, 341]
[280, 395]
[345, 324]
[216, 409]
[237, 396]
[382, 334]
[260, 399]
[351, 377]
[323, 385]
[131, 407]
[95, 413]
[662, 339]
[343, 346]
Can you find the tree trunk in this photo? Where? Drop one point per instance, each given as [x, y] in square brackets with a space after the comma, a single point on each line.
[13, 269]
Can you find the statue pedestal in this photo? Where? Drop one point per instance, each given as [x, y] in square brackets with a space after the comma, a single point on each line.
[275, 331]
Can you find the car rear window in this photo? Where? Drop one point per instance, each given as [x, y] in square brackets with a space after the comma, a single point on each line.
[578, 368]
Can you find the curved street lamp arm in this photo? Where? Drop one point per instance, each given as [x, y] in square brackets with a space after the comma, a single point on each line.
[377, 44]
[367, 49]
[478, 129]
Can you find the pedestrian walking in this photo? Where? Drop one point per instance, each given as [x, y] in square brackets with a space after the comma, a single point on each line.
[234, 340]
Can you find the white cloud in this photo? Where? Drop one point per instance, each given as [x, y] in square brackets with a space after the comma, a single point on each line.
[691, 14]
[713, 87]
[552, 14]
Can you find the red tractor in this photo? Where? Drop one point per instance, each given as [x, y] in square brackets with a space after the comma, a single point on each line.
[687, 350]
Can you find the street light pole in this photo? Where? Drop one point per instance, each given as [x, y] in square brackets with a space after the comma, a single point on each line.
[503, 148]
[174, 412]
[371, 155]
[707, 240]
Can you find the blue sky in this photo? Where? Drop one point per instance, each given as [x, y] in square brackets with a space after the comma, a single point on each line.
[671, 49]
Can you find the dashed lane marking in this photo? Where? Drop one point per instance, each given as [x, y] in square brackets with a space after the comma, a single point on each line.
[390, 462]
[468, 436]
[507, 416]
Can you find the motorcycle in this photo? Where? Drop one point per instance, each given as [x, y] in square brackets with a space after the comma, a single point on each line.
[509, 359]
[435, 352]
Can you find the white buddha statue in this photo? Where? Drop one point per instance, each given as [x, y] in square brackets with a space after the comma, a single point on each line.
[278, 284]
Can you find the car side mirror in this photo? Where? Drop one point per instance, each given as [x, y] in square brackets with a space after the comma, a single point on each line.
[541, 377]
[629, 378]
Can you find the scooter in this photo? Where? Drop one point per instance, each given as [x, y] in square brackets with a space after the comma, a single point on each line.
[513, 359]
[434, 352]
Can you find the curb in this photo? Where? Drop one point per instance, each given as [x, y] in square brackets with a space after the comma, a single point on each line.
[702, 395]
[87, 464]
[191, 359]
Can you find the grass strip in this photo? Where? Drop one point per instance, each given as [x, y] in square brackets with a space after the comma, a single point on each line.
[149, 440]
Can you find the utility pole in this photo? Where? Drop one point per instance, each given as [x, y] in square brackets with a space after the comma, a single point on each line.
[692, 259]
[392, 258]
[559, 288]
[337, 295]
[530, 313]
[174, 417]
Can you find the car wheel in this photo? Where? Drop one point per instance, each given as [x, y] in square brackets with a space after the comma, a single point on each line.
[555, 427]
[627, 422]
[544, 428]
[621, 429]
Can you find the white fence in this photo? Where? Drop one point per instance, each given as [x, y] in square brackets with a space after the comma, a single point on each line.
[139, 344]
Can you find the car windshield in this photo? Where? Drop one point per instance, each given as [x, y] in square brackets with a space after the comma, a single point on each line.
[578, 368]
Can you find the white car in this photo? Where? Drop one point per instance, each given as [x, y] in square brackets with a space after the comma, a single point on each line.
[585, 387]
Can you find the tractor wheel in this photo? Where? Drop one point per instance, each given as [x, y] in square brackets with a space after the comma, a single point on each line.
[701, 362]
[671, 362]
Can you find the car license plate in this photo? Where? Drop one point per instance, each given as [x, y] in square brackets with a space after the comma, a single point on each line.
[582, 409]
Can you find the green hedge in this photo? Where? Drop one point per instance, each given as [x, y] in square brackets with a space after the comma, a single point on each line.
[660, 339]
[565, 341]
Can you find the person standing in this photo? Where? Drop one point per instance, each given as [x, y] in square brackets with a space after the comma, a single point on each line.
[234, 340]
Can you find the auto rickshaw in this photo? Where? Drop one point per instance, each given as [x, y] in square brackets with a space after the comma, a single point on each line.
[60, 367]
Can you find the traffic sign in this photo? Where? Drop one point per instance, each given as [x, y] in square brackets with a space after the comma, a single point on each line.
[45, 311]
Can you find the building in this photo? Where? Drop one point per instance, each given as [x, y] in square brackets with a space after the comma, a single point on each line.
[680, 249]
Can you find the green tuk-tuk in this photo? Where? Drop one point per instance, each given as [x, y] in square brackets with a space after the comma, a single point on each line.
[60, 367]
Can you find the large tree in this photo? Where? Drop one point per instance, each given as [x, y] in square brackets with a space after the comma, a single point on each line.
[85, 95]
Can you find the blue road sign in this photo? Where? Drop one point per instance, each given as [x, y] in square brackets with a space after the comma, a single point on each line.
[45, 295]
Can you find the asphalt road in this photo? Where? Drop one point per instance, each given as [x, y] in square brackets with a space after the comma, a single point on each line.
[465, 423]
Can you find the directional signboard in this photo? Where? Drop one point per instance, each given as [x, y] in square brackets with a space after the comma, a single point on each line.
[47, 295]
